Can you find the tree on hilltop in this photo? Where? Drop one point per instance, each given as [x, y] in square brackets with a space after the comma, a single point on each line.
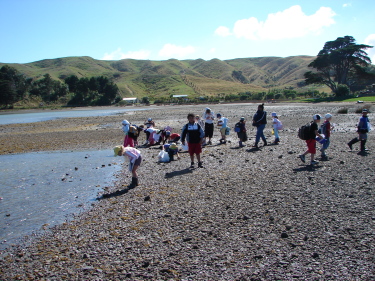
[340, 62]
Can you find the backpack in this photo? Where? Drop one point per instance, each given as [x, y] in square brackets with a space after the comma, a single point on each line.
[304, 132]
[279, 125]
[323, 128]
[237, 127]
[133, 131]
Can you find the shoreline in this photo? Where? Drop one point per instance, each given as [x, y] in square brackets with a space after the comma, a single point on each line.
[248, 214]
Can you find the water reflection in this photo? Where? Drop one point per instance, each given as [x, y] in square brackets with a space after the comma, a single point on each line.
[15, 117]
[43, 188]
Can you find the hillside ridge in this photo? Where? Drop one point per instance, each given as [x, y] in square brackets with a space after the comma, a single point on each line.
[193, 77]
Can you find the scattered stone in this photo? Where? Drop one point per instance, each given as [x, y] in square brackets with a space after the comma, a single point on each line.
[284, 235]
[315, 255]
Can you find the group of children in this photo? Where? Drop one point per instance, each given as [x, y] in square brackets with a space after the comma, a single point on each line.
[323, 134]
[196, 131]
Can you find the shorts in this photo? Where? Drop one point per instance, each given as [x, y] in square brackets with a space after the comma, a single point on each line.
[208, 130]
[311, 146]
[222, 131]
[138, 161]
[242, 136]
[194, 148]
[362, 136]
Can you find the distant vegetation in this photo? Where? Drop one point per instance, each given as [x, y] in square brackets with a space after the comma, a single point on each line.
[342, 65]
[74, 91]
[82, 81]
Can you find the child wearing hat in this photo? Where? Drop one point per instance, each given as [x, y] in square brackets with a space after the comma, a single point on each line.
[277, 125]
[222, 124]
[363, 128]
[325, 130]
[240, 128]
[149, 124]
[135, 159]
[172, 150]
[311, 142]
[128, 140]
[208, 117]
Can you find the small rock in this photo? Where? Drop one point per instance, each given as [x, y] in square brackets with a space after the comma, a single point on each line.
[146, 264]
[147, 198]
[284, 235]
[315, 255]
[280, 156]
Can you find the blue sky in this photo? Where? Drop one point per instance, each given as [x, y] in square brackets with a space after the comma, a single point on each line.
[33, 30]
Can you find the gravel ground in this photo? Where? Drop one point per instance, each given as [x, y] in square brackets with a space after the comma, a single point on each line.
[247, 215]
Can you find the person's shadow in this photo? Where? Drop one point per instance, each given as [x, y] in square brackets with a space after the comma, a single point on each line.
[178, 173]
[114, 194]
[363, 153]
[306, 168]
[254, 149]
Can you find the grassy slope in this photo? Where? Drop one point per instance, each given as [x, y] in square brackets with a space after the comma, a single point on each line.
[164, 78]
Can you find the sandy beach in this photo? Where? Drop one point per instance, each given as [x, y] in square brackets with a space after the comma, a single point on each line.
[249, 214]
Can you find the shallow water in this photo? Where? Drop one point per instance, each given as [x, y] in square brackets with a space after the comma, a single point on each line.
[13, 117]
[42, 189]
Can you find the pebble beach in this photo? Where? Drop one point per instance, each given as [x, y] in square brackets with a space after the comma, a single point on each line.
[249, 214]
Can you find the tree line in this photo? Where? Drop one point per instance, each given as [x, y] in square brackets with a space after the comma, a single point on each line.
[74, 91]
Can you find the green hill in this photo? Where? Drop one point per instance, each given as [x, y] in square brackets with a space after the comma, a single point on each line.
[191, 77]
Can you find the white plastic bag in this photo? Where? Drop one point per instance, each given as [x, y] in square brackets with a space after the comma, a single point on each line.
[184, 147]
[157, 137]
[163, 156]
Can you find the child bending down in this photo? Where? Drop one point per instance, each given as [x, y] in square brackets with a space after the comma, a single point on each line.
[135, 159]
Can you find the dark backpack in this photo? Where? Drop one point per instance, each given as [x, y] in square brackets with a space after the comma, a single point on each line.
[133, 131]
[323, 128]
[304, 132]
[237, 127]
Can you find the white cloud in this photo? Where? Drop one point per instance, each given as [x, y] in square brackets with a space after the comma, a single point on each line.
[119, 55]
[370, 40]
[223, 31]
[347, 5]
[290, 23]
[173, 51]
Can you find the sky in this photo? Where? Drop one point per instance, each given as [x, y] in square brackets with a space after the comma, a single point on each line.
[33, 30]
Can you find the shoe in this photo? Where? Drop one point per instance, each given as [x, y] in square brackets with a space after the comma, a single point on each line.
[324, 158]
[302, 157]
[209, 143]
[314, 163]
[134, 183]
[192, 165]
[200, 165]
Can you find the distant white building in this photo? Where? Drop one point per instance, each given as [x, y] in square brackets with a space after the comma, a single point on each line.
[180, 96]
[132, 100]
